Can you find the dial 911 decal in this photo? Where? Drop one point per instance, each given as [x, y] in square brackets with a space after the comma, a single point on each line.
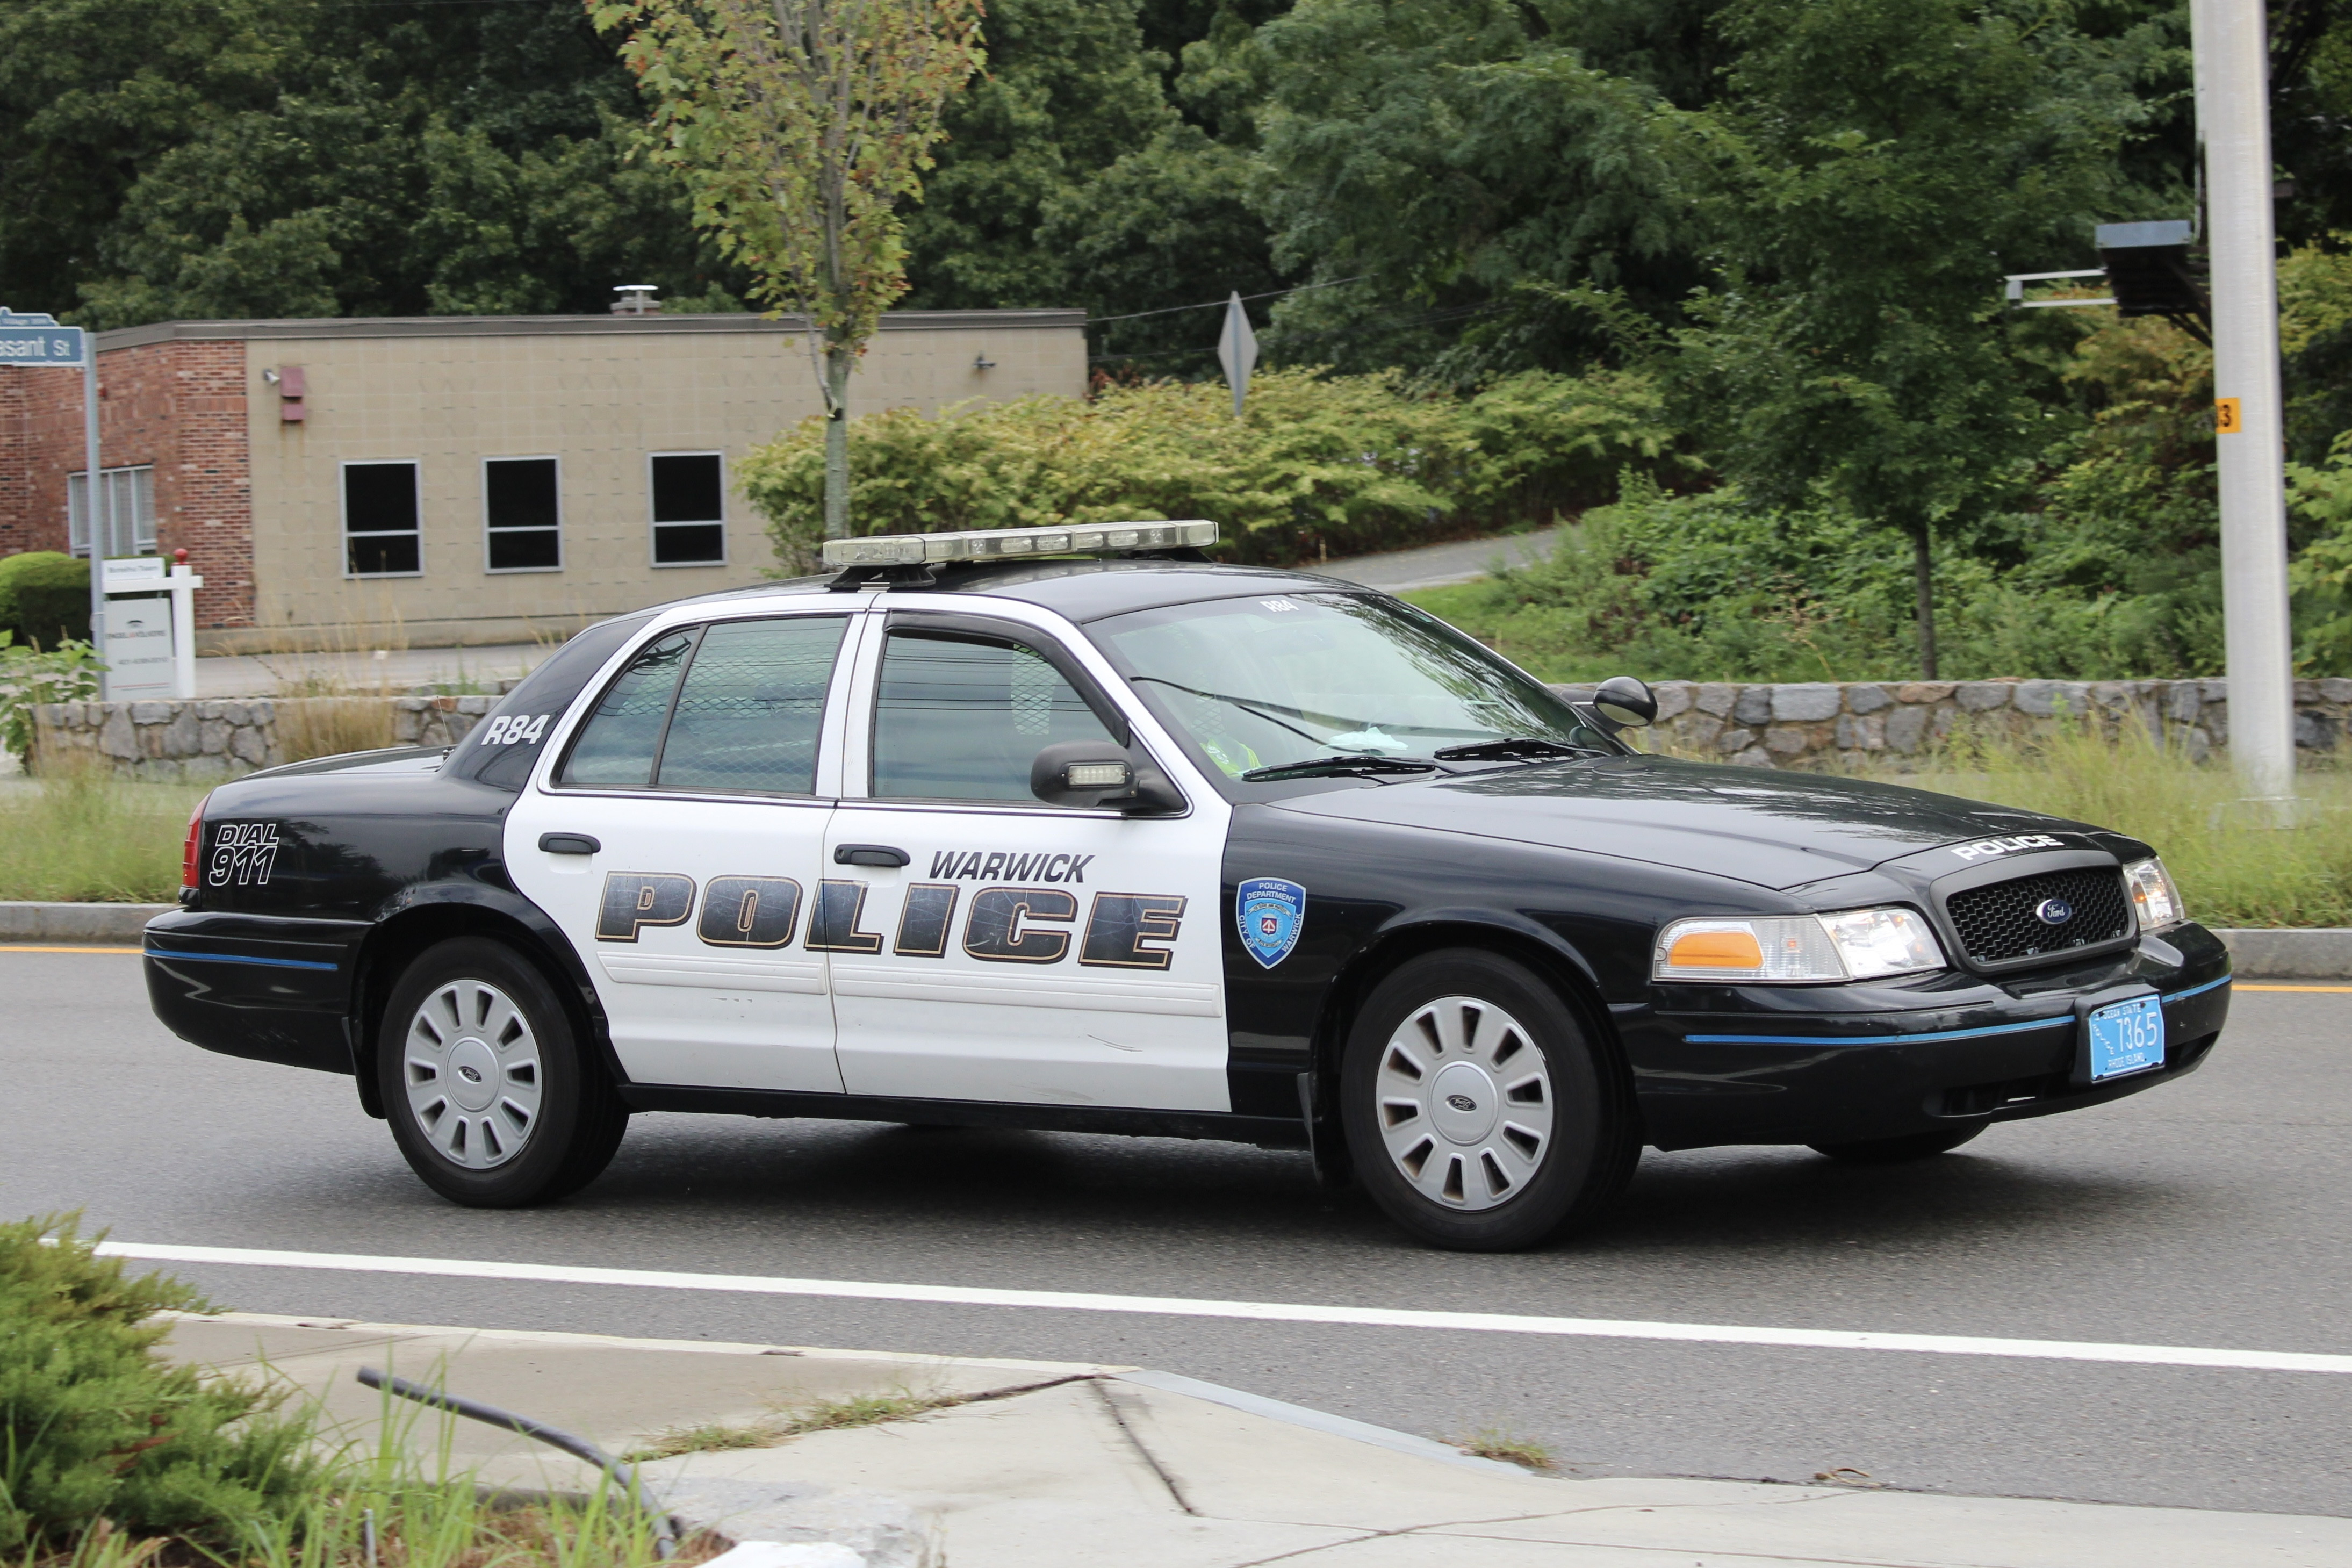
[1271, 912]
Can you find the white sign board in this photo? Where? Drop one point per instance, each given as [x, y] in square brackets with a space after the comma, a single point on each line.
[134, 573]
[138, 649]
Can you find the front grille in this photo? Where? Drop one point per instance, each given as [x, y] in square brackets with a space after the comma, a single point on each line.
[1998, 923]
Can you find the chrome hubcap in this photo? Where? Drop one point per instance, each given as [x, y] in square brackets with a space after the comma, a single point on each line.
[471, 1067]
[1465, 1104]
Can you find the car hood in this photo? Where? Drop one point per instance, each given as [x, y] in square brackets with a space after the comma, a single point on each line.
[1772, 830]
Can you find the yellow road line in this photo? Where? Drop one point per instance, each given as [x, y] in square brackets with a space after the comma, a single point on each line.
[19, 947]
[2248, 985]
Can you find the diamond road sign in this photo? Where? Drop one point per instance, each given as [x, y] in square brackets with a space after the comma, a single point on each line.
[37, 339]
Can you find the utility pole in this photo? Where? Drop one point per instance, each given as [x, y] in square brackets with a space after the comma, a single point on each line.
[2232, 42]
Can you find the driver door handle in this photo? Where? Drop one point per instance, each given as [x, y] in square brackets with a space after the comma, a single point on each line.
[868, 855]
[568, 844]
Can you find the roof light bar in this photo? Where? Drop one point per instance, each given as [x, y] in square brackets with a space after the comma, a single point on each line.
[1012, 543]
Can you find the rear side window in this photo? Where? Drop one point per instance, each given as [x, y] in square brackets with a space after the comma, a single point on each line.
[622, 737]
[747, 716]
[735, 707]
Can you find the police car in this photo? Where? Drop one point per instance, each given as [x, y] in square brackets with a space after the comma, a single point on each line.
[1073, 829]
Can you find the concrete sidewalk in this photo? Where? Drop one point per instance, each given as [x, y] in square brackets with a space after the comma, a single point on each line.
[1053, 1464]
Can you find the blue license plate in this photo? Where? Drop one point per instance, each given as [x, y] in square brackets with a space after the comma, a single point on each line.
[2127, 1037]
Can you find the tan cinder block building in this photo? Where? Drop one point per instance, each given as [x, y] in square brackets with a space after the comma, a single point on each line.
[439, 480]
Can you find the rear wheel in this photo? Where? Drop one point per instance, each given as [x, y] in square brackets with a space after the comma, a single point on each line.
[492, 1097]
[1895, 1151]
[1479, 1116]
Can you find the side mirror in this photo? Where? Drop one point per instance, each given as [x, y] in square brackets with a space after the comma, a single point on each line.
[1098, 774]
[1625, 702]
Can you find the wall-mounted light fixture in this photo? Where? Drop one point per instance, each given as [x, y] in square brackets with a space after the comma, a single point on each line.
[291, 384]
[982, 362]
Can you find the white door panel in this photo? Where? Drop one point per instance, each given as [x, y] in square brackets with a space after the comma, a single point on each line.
[680, 1010]
[710, 801]
[1023, 955]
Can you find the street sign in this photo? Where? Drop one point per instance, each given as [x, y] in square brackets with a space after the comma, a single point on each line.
[37, 339]
[1238, 350]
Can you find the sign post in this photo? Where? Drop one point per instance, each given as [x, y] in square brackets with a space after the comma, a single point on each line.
[36, 341]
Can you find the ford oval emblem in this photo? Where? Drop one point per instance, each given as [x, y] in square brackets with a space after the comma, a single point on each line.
[1461, 1102]
[469, 1072]
[2054, 911]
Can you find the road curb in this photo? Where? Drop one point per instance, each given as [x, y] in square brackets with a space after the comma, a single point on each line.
[111, 923]
[2318, 952]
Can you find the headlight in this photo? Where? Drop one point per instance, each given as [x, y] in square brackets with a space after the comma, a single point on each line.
[2153, 898]
[1854, 944]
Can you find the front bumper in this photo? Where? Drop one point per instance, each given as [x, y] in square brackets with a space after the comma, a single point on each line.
[1840, 1064]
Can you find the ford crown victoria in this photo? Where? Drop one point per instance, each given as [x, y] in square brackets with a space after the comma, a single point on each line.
[1076, 830]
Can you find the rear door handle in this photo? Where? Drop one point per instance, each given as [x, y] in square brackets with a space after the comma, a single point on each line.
[569, 843]
[868, 855]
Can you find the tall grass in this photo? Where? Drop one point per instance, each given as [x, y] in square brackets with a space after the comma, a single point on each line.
[2230, 874]
[331, 726]
[77, 836]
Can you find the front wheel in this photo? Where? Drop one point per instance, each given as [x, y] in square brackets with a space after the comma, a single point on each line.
[1479, 1116]
[493, 1099]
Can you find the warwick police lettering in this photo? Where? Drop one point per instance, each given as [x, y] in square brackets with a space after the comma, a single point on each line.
[1006, 925]
[1002, 866]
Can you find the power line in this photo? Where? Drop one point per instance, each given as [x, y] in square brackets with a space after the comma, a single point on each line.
[1220, 304]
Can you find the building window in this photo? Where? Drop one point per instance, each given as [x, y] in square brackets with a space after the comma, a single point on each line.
[126, 510]
[521, 514]
[689, 510]
[380, 521]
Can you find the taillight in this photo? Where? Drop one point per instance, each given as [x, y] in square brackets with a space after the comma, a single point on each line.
[194, 847]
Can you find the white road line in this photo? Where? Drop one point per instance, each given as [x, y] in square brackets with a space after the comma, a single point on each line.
[1263, 1312]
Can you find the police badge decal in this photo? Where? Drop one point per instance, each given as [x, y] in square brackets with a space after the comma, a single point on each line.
[1270, 912]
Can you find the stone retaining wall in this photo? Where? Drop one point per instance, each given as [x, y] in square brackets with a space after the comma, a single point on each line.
[1885, 723]
[1805, 724]
[159, 742]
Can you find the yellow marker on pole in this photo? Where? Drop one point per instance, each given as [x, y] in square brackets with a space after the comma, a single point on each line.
[2226, 420]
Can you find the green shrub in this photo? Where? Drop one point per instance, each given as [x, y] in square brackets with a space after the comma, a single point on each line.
[95, 1424]
[45, 597]
[65, 673]
[1319, 466]
[1714, 588]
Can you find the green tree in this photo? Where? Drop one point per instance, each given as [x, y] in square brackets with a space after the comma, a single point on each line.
[801, 126]
[1871, 170]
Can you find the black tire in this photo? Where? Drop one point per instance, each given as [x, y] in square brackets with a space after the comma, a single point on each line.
[1898, 1151]
[577, 1118]
[1574, 1174]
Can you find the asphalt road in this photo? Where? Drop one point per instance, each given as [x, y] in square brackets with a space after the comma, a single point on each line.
[2210, 1213]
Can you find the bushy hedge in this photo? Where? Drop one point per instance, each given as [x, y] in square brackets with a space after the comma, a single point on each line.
[1710, 587]
[1319, 466]
[44, 597]
[95, 1424]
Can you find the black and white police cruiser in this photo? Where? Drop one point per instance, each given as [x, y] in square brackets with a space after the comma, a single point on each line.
[1071, 828]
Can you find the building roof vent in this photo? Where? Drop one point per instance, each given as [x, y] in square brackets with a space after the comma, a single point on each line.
[636, 300]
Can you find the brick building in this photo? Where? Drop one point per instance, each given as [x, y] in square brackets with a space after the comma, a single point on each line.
[435, 480]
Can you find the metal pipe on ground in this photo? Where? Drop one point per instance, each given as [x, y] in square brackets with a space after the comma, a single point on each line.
[579, 1447]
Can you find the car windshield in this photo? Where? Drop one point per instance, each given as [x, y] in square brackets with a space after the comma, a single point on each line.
[1272, 682]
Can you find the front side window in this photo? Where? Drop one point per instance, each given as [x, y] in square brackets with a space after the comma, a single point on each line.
[961, 716]
[380, 521]
[1266, 682]
[689, 493]
[521, 514]
[734, 707]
